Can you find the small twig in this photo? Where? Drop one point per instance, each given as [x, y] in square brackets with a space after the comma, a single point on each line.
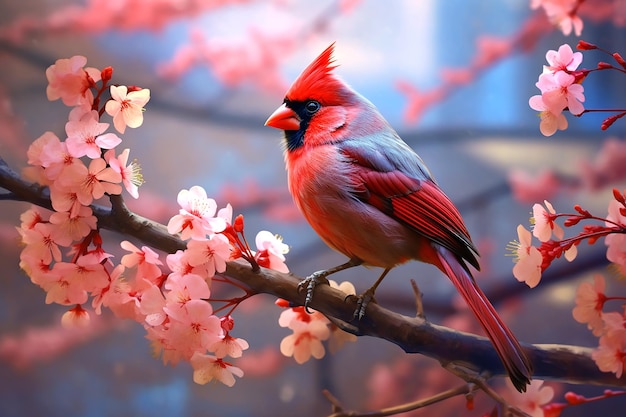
[482, 384]
[480, 381]
[419, 305]
[335, 404]
[403, 408]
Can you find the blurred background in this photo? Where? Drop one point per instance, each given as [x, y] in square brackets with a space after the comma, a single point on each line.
[453, 77]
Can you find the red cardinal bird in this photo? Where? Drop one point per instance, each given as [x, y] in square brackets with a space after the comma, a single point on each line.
[370, 196]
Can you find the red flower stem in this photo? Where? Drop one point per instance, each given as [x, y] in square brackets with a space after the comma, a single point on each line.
[96, 100]
[83, 245]
[621, 227]
[581, 237]
[601, 111]
[231, 282]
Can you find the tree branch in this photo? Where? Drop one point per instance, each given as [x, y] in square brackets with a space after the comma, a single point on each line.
[571, 364]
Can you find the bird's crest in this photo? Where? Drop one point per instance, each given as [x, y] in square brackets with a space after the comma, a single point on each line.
[317, 81]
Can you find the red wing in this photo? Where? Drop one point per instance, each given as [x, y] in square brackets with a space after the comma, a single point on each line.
[421, 205]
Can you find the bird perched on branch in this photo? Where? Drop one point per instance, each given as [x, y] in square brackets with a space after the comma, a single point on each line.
[368, 195]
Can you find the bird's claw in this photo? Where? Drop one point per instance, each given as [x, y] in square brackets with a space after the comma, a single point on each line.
[309, 283]
[362, 302]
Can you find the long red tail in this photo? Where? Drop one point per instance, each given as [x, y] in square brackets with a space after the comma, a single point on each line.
[515, 361]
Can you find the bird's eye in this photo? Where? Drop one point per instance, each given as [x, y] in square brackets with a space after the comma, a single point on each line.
[312, 106]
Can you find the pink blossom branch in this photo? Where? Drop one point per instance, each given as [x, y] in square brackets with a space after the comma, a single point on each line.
[606, 167]
[571, 364]
[45, 343]
[96, 16]
[490, 51]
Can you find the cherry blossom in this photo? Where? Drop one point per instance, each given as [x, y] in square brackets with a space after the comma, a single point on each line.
[544, 225]
[85, 273]
[563, 60]
[182, 289]
[528, 189]
[75, 317]
[614, 323]
[145, 259]
[309, 330]
[210, 254]
[550, 121]
[306, 340]
[33, 216]
[64, 199]
[85, 136]
[561, 13]
[174, 310]
[532, 401]
[178, 263]
[76, 226]
[559, 91]
[271, 251]
[192, 328]
[117, 296]
[39, 272]
[56, 158]
[126, 107]
[152, 306]
[208, 367]
[607, 167]
[590, 300]
[527, 259]
[228, 345]
[36, 150]
[42, 242]
[131, 173]
[196, 217]
[255, 59]
[62, 289]
[616, 242]
[69, 81]
[610, 356]
[226, 214]
[93, 182]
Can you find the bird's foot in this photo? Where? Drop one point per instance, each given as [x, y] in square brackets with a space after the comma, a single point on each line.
[309, 283]
[362, 302]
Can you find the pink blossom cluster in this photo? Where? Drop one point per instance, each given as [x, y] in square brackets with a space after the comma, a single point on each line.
[593, 173]
[310, 329]
[560, 89]
[562, 13]
[533, 401]
[608, 326]
[96, 16]
[175, 308]
[78, 171]
[531, 261]
[256, 59]
[64, 251]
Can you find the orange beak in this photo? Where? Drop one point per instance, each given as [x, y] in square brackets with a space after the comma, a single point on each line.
[284, 118]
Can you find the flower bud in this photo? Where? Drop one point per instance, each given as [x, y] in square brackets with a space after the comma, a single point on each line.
[106, 74]
[585, 46]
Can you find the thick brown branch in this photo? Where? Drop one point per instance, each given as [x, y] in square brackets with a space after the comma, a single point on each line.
[413, 334]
